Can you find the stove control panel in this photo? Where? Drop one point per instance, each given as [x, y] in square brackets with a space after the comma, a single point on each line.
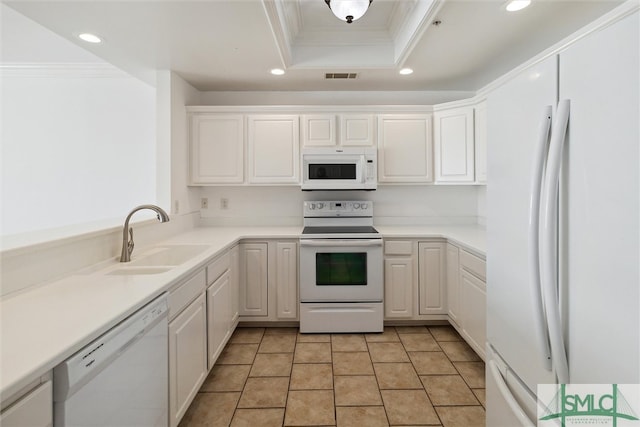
[337, 208]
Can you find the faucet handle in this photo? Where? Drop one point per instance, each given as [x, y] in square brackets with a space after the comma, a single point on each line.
[130, 243]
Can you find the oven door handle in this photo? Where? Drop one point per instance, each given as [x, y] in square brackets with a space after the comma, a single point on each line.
[340, 242]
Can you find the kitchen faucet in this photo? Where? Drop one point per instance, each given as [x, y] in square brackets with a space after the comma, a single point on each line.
[127, 241]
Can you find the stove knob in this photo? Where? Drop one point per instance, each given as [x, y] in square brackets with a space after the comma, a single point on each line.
[312, 206]
[363, 205]
[320, 205]
[356, 206]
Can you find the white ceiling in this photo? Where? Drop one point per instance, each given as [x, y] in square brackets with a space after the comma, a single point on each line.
[230, 45]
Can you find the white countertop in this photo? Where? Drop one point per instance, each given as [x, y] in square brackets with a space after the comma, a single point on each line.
[43, 326]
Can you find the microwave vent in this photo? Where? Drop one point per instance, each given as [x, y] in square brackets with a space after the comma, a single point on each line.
[330, 76]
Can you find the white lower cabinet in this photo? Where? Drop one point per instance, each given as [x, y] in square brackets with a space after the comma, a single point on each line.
[219, 316]
[35, 409]
[453, 283]
[254, 279]
[432, 282]
[286, 280]
[467, 296]
[269, 280]
[399, 279]
[398, 287]
[187, 357]
[234, 277]
[473, 297]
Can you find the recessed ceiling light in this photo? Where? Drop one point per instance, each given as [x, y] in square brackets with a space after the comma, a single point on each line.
[515, 5]
[90, 38]
[277, 71]
[406, 71]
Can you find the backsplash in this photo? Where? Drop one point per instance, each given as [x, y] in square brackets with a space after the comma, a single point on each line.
[393, 205]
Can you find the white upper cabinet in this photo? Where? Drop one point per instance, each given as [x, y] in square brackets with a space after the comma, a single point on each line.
[405, 148]
[274, 152]
[355, 130]
[454, 145]
[319, 130]
[217, 148]
[480, 121]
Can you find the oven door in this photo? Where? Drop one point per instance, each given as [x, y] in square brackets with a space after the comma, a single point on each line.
[335, 270]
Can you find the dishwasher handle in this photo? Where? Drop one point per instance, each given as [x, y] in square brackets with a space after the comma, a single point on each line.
[72, 374]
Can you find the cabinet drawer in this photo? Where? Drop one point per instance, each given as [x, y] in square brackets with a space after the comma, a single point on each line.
[473, 264]
[34, 409]
[217, 267]
[180, 297]
[398, 247]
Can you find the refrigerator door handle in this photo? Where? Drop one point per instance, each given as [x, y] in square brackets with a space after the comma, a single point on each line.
[540, 155]
[548, 242]
[507, 396]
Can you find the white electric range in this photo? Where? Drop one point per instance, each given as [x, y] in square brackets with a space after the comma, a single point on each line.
[341, 268]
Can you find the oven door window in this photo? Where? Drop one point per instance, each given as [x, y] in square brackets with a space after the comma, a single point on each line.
[341, 269]
[332, 171]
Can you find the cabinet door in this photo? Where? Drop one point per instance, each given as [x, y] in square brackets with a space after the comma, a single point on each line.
[454, 144]
[286, 280]
[404, 148]
[473, 306]
[187, 357]
[273, 149]
[431, 287]
[234, 277]
[218, 316]
[453, 282]
[357, 130]
[217, 149]
[253, 279]
[35, 409]
[319, 130]
[398, 287]
[480, 124]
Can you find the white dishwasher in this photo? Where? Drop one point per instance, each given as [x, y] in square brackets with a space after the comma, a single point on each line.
[121, 378]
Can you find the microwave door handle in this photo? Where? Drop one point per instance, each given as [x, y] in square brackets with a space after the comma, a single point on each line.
[363, 172]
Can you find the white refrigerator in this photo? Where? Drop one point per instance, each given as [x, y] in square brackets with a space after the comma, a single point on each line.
[563, 222]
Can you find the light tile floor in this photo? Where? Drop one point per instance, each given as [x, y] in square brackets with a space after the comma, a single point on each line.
[410, 375]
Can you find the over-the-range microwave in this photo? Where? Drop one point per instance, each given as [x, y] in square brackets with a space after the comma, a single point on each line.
[348, 168]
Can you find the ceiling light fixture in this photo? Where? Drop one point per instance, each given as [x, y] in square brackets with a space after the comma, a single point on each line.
[515, 5]
[277, 71]
[406, 71]
[348, 10]
[90, 38]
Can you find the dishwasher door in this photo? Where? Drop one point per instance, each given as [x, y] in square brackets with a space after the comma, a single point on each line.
[120, 379]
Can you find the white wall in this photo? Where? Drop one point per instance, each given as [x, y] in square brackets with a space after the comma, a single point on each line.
[76, 147]
[482, 204]
[399, 205]
[78, 135]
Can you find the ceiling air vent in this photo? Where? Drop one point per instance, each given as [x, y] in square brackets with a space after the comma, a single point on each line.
[340, 75]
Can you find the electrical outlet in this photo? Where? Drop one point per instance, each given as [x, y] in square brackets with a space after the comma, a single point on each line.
[204, 203]
[224, 203]
[176, 207]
